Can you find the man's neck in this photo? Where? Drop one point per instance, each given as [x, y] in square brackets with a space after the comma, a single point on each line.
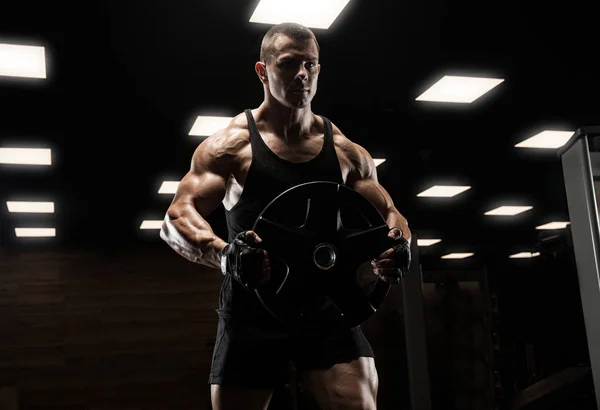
[289, 124]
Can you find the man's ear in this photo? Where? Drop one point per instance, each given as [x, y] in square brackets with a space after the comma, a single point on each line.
[261, 70]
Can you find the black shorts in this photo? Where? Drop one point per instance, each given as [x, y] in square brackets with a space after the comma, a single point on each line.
[251, 355]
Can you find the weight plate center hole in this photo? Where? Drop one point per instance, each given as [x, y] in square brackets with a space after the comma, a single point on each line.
[324, 256]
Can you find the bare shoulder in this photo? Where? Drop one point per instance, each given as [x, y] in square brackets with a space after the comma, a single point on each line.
[219, 151]
[358, 157]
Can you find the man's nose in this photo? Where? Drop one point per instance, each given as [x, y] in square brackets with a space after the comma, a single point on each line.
[302, 73]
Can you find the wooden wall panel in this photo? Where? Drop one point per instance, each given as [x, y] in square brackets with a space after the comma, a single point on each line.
[457, 312]
[120, 329]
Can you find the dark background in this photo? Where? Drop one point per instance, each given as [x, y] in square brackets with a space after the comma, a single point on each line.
[105, 316]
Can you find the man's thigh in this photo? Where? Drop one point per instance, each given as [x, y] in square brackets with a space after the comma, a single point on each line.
[235, 398]
[337, 368]
[247, 355]
[344, 386]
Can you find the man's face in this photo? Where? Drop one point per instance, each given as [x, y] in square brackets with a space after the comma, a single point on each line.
[293, 71]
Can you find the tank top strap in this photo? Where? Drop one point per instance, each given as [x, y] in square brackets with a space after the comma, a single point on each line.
[253, 129]
[328, 130]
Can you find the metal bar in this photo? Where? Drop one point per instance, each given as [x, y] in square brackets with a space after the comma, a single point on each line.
[578, 134]
[415, 329]
[583, 212]
[595, 163]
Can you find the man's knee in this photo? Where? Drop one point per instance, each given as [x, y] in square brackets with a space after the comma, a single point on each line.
[361, 398]
[363, 403]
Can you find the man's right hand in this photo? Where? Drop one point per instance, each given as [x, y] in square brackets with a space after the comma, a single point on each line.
[245, 262]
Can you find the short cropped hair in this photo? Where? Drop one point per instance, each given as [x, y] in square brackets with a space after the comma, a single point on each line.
[294, 31]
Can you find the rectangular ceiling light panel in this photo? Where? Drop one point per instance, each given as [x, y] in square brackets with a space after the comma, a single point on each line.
[22, 61]
[30, 207]
[553, 225]
[205, 126]
[457, 255]
[26, 156]
[318, 14]
[35, 232]
[444, 191]
[546, 139]
[168, 187]
[457, 89]
[151, 224]
[508, 210]
[427, 242]
[524, 255]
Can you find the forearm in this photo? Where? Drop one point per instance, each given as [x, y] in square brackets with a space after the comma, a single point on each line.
[193, 238]
[395, 219]
[380, 198]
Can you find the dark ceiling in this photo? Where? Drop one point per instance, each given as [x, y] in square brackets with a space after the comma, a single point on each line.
[126, 81]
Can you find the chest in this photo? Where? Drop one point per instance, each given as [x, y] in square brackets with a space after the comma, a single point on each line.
[295, 152]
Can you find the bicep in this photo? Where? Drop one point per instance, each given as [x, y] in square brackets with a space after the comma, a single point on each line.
[203, 191]
[363, 179]
[203, 187]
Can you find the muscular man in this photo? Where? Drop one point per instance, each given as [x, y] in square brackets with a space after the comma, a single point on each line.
[261, 153]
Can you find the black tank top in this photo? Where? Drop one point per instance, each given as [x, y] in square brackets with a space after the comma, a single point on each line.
[268, 176]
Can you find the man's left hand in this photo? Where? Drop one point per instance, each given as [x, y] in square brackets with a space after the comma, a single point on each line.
[393, 264]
